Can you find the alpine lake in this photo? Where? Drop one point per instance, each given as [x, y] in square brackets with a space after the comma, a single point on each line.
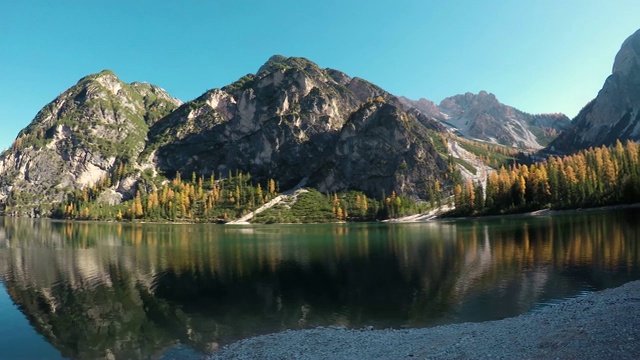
[91, 290]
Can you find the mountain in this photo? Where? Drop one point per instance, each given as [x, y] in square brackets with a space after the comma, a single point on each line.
[615, 112]
[481, 116]
[80, 138]
[300, 124]
[292, 121]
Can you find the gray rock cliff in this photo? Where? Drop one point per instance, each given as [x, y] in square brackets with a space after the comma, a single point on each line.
[382, 149]
[615, 112]
[289, 122]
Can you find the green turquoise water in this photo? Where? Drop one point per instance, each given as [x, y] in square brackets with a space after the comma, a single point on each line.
[87, 290]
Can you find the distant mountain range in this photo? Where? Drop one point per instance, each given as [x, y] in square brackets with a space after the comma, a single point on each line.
[291, 121]
[481, 116]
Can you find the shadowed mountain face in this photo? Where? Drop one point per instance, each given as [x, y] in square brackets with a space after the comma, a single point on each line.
[296, 122]
[615, 113]
[291, 121]
[481, 116]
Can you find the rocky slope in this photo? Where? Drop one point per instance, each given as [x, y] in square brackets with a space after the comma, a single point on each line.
[298, 123]
[615, 112]
[79, 138]
[381, 149]
[292, 121]
[481, 116]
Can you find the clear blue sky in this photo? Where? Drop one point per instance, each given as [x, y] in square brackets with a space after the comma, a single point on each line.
[536, 55]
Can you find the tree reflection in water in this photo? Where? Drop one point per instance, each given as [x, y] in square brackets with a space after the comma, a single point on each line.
[134, 290]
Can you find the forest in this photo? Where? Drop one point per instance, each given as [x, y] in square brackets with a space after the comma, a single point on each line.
[220, 200]
[590, 178]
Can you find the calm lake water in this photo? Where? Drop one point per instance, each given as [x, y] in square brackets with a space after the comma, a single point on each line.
[88, 290]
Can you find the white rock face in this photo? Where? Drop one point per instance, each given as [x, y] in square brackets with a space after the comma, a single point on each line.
[110, 197]
[127, 186]
[91, 174]
[112, 83]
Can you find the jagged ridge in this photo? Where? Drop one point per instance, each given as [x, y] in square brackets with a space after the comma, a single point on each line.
[481, 116]
[289, 122]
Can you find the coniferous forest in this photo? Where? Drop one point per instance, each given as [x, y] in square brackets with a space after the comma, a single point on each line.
[590, 178]
[201, 199]
[594, 177]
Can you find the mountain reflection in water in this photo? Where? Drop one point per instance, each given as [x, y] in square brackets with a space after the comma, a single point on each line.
[135, 290]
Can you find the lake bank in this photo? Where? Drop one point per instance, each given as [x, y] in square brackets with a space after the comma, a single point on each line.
[437, 214]
[432, 215]
[202, 286]
[601, 325]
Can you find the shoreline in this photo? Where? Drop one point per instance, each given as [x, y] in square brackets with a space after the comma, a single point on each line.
[419, 218]
[433, 215]
[601, 325]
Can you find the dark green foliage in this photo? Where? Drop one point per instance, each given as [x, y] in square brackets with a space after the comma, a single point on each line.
[464, 164]
[310, 207]
[243, 83]
[493, 155]
[439, 142]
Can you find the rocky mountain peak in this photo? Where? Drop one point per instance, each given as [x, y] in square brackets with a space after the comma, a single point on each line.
[274, 62]
[338, 76]
[483, 95]
[279, 63]
[482, 116]
[106, 83]
[469, 99]
[274, 124]
[284, 122]
[107, 79]
[105, 73]
[615, 113]
[79, 137]
[153, 91]
[627, 59]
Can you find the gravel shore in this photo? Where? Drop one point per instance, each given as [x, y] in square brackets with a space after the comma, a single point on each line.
[602, 325]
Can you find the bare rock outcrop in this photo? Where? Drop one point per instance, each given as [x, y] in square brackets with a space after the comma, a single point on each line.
[77, 139]
[615, 113]
[293, 120]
